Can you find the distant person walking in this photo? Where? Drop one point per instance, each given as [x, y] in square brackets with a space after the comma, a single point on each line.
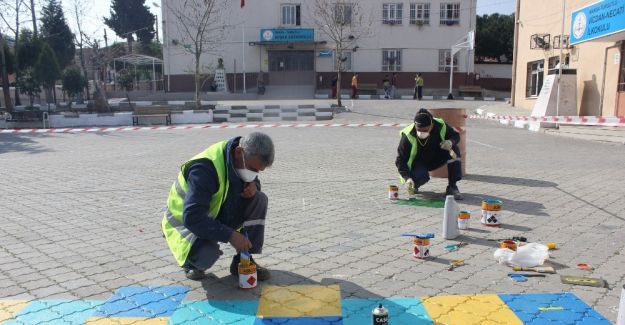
[418, 89]
[393, 85]
[355, 86]
[386, 84]
[335, 80]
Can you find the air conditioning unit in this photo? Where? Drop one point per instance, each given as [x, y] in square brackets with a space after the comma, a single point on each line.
[540, 41]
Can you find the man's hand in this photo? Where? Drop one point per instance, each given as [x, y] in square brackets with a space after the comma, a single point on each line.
[446, 145]
[249, 190]
[240, 242]
[410, 186]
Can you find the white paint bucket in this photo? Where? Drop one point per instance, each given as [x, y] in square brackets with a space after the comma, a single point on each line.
[464, 220]
[393, 192]
[247, 276]
[491, 213]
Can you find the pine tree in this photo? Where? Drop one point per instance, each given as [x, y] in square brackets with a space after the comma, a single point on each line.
[47, 69]
[57, 33]
[131, 17]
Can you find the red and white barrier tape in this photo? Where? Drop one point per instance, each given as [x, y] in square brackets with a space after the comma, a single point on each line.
[567, 120]
[201, 126]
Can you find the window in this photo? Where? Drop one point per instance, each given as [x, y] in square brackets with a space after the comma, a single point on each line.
[391, 60]
[346, 61]
[450, 13]
[420, 13]
[565, 41]
[290, 15]
[534, 77]
[343, 14]
[444, 60]
[392, 13]
[621, 79]
[554, 60]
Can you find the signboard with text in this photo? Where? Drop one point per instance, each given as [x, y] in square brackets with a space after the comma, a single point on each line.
[287, 35]
[597, 20]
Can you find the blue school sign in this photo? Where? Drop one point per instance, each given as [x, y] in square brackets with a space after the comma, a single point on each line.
[287, 35]
[600, 19]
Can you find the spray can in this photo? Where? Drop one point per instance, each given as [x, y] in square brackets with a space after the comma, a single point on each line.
[621, 309]
[380, 315]
[393, 192]
[247, 272]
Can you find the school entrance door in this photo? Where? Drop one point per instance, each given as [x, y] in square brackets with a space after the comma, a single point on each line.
[291, 67]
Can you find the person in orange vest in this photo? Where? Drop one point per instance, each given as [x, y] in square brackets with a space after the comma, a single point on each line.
[355, 86]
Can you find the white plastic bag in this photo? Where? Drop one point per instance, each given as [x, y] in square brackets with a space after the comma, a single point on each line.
[530, 255]
[503, 255]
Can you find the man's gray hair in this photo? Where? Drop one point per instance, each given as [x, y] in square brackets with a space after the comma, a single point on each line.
[259, 145]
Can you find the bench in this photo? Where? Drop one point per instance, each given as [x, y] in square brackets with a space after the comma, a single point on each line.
[471, 90]
[151, 112]
[25, 116]
[367, 89]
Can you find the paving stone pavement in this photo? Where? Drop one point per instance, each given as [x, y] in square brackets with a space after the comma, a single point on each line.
[81, 212]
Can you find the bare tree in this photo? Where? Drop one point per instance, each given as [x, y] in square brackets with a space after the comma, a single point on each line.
[79, 9]
[343, 23]
[13, 7]
[201, 31]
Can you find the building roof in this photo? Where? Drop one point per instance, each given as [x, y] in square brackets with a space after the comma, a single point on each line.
[138, 59]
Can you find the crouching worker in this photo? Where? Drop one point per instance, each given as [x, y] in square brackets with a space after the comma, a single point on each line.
[426, 145]
[217, 199]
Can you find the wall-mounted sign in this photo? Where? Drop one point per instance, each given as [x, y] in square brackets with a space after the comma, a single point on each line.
[287, 35]
[597, 20]
[325, 53]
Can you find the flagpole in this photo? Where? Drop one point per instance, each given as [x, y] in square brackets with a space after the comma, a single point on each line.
[243, 49]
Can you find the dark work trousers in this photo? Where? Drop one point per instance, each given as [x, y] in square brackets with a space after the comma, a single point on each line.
[250, 215]
[418, 93]
[420, 170]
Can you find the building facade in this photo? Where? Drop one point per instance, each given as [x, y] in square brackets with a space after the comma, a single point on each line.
[592, 46]
[278, 43]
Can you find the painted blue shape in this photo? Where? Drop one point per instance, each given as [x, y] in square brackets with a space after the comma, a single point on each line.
[401, 311]
[55, 312]
[334, 320]
[241, 312]
[564, 308]
[143, 302]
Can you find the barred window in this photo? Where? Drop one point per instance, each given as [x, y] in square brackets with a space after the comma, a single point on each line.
[391, 60]
[392, 13]
[444, 60]
[450, 13]
[290, 15]
[535, 75]
[420, 13]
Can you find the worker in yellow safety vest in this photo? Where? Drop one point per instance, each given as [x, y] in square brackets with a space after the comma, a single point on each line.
[216, 198]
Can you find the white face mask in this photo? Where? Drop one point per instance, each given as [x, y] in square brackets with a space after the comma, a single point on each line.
[245, 174]
[423, 135]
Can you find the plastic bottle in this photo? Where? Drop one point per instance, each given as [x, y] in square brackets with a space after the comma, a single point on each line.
[450, 222]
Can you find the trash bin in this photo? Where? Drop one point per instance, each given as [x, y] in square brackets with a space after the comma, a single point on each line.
[456, 117]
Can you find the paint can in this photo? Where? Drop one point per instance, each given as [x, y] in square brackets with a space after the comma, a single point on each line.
[380, 315]
[393, 192]
[247, 273]
[464, 219]
[421, 247]
[510, 244]
[621, 309]
[491, 213]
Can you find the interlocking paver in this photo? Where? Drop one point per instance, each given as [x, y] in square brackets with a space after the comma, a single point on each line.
[82, 212]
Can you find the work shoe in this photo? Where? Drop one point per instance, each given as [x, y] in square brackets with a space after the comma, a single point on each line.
[193, 273]
[262, 273]
[453, 190]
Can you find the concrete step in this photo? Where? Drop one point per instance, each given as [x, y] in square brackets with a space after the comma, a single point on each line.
[288, 92]
[592, 133]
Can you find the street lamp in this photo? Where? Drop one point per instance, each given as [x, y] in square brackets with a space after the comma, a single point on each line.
[165, 33]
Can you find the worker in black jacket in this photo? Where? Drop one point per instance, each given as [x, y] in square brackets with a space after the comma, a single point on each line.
[426, 145]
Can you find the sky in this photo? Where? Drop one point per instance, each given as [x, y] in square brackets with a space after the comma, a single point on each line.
[94, 24]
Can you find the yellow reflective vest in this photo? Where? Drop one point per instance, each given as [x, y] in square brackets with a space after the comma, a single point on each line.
[407, 131]
[179, 238]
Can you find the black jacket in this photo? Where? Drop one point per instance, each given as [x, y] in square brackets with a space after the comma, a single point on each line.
[428, 153]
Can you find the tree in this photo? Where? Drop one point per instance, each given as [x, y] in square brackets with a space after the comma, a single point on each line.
[73, 83]
[47, 70]
[15, 8]
[28, 50]
[80, 9]
[4, 61]
[57, 33]
[343, 23]
[201, 32]
[130, 17]
[494, 37]
[29, 85]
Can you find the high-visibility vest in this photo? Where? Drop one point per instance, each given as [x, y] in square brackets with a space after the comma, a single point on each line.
[179, 238]
[407, 131]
